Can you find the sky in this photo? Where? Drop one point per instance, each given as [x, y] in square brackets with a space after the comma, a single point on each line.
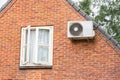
[76, 0]
[2, 2]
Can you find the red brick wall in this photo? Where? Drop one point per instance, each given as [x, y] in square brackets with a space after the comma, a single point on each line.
[72, 60]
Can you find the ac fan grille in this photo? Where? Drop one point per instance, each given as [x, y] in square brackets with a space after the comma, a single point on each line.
[76, 29]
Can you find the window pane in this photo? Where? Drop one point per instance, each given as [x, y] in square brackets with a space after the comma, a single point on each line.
[32, 37]
[43, 36]
[25, 37]
[43, 53]
[32, 45]
[25, 55]
[31, 53]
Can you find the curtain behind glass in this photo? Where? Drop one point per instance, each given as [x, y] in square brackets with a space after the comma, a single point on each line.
[32, 45]
[43, 45]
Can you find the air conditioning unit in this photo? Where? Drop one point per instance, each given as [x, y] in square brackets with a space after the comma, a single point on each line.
[80, 30]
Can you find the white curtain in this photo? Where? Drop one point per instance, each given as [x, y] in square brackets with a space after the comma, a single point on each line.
[43, 45]
[32, 45]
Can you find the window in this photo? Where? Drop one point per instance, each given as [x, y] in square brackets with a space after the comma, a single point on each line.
[36, 47]
[4, 3]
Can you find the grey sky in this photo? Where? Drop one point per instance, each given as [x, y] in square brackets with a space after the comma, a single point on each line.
[76, 0]
[2, 2]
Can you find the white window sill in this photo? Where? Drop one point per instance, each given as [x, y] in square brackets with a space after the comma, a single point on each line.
[35, 67]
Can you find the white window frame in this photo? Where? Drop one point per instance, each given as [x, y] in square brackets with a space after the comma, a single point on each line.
[23, 45]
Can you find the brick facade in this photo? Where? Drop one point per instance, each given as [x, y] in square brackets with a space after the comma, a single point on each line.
[72, 60]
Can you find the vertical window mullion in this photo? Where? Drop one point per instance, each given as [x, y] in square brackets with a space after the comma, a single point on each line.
[36, 47]
[28, 44]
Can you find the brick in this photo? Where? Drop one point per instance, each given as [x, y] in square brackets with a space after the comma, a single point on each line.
[72, 60]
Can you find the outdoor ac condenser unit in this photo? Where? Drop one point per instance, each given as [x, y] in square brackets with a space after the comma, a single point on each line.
[80, 30]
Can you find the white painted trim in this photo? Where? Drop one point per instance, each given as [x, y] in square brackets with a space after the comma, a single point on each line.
[50, 56]
[28, 44]
[51, 46]
[36, 47]
[21, 49]
[24, 45]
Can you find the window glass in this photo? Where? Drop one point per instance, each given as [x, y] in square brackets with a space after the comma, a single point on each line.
[43, 44]
[43, 37]
[43, 53]
[32, 45]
